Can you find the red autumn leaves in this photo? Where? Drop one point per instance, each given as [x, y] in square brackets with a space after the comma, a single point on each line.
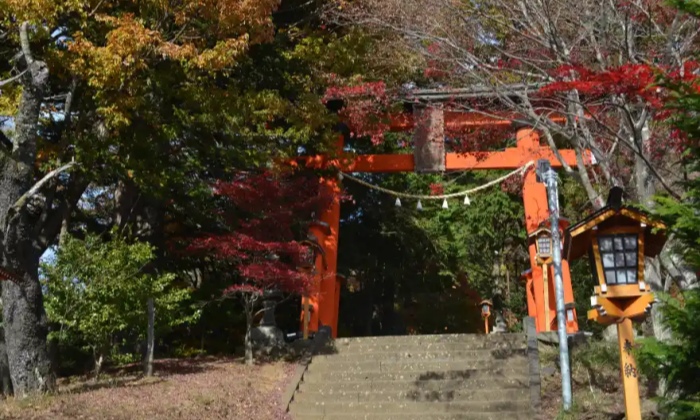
[265, 215]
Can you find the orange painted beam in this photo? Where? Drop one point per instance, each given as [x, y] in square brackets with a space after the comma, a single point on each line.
[379, 163]
[511, 158]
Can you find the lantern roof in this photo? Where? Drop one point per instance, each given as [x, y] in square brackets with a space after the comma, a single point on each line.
[545, 226]
[578, 237]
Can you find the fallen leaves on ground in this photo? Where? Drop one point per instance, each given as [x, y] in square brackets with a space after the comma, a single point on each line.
[209, 388]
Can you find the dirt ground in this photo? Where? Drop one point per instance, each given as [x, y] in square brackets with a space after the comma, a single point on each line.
[208, 388]
[596, 385]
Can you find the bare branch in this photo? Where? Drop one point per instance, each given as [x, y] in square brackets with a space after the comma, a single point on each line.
[12, 79]
[24, 43]
[22, 201]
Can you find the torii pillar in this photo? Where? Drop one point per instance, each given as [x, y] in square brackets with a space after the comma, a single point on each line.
[542, 306]
[324, 300]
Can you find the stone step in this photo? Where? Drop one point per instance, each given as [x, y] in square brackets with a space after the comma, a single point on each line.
[415, 375]
[444, 394]
[434, 338]
[498, 350]
[326, 408]
[491, 339]
[501, 415]
[435, 377]
[421, 354]
[484, 382]
[440, 365]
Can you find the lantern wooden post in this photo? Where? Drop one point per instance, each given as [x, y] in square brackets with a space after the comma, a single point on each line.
[307, 317]
[617, 238]
[486, 306]
[628, 369]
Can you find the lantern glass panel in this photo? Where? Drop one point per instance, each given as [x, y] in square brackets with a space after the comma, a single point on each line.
[485, 309]
[619, 260]
[610, 277]
[605, 243]
[619, 257]
[544, 245]
[608, 260]
[618, 243]
[570, 315]
[622, 276]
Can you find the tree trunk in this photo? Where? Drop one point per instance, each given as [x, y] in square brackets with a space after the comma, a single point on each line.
[249, 360]
[645, 190]
[5, 380]
[150, 338]
[26, 328]
[24, 318]
[387, 314]
[99, 359]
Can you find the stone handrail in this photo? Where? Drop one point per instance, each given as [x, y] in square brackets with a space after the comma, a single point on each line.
[319, 341]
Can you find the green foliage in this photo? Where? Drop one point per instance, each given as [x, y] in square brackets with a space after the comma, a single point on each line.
[596, 356]
[689, 6]
[683, 217]
[424, 271]
[677, 361]
[97, 292]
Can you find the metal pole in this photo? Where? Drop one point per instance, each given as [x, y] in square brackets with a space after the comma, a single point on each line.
[549, 177]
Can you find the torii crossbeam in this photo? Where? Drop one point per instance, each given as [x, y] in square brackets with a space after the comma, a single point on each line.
[325, 299]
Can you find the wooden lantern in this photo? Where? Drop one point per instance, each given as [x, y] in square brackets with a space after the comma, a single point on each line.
[542, 238]
[617, 238]
[542, 241]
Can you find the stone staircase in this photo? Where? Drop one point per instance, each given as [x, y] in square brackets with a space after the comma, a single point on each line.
[426, 377]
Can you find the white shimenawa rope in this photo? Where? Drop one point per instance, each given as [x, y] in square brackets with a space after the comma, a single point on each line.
[398, 194]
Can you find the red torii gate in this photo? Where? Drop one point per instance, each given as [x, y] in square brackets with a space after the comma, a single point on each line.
[325, 300]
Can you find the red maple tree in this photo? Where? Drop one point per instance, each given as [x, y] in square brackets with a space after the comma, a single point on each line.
[594, 65]
[264, 216]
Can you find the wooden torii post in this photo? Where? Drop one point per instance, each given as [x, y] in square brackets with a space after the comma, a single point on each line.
[430, 123]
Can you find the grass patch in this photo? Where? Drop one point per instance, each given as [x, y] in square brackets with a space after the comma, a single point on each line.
[595, 378]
